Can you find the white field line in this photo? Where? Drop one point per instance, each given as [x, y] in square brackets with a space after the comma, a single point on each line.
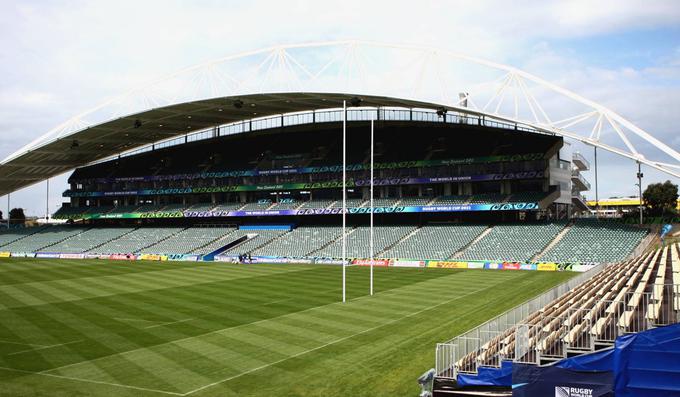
[169, 323]
[214, 332]
[337, 341]
[19, 343]
[92, 381]
[45, 347]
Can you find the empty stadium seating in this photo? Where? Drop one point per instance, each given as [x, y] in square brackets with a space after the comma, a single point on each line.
[317, 204]
[188, 240]
[261, 237]
[592, 240]
[300, 242]
[135, 241]
[43, 238]
[585, 241]
[434, 242]
[513, 242]
[88, 240]
[623, 298]
[12, 234]
[357, 242]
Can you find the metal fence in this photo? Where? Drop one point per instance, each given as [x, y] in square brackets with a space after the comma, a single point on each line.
[448, 353]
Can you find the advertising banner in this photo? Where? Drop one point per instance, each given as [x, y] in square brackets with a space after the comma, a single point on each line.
[475, 265]
[122, 257]
[546, 267]
[71, 256]
[152, 257]
[327, 169]
[320, 211]
[511, 266]
[23, 255]
[312, 185]
[324, 261]
[448, 264]
[5, 254]
[182, 257]
[408, 263]
[47, 255]
[493, 265]
[532, 380]
[229, 259]
[528, 266]
[367, 262]
[584, 267]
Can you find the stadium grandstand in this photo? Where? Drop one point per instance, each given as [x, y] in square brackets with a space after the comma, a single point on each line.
[192, 190]
[625, 298]
[435, 199]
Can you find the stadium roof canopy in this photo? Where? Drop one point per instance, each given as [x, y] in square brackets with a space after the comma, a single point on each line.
[292, 78]
[53, 157]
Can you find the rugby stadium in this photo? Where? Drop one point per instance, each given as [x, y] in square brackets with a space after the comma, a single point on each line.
[308, 239]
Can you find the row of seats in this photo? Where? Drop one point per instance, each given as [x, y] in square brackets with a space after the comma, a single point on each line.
[301, 242]
[291, 204]
[505, 242]
[591, 240]
[435, 242]
[44, 237]
[358, 242]
[625, 297]
[513, 242]
[188, 240]
[136, 240]
[88, 240]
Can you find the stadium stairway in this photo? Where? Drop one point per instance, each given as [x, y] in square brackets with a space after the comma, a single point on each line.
[333, 241]
[58, 247]
[215, 244]
[43, 239]
[401, 240]
[162, 239]
[8, 236]
[556, 240]
[460, 252]
[115, 238]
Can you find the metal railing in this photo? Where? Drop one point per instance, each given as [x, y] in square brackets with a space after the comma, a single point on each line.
[448, 353]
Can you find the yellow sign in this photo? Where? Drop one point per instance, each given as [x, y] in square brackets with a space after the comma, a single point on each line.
[448, 264]
[623, 202]
[153, 257]
[547, 267]
[5, 254]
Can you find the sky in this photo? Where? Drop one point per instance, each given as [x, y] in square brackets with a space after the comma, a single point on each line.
[58, 58]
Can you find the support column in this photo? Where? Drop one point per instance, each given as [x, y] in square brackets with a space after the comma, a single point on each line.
[639, 176]
[47, 201]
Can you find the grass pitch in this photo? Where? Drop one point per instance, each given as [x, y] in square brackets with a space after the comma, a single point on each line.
[100, 328]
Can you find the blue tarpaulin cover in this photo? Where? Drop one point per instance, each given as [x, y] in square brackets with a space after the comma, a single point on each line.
[642, 364]
[488, 376]
[648, 363]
